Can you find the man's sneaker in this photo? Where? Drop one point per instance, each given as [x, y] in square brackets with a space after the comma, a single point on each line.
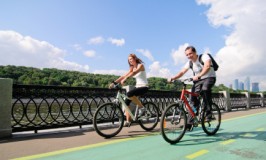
[142, 111]
[189, 127]
[209, 116]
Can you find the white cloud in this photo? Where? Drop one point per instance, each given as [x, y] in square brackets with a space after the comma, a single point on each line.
[96, 40]
[244, 51]
[117, 42]
[77, 47]
[90, 53]
[156, 70]
[178, 55]
[146, 53]
[26, 51]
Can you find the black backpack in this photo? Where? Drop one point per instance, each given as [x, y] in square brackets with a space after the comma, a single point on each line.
[214, 63]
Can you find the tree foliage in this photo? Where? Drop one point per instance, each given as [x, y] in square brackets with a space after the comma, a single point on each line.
[52, 76]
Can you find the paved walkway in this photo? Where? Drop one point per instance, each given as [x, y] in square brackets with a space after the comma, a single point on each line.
[133, 142]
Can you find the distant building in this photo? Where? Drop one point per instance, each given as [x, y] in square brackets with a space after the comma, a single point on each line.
[247, 84]
[255, 87]
[235, 84]
[241, 86]
[230, 86]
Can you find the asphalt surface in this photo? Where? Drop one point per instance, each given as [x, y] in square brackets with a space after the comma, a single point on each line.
[134, 143]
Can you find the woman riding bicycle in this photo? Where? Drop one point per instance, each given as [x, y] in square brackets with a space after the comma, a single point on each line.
[136, 70]
[204, 77]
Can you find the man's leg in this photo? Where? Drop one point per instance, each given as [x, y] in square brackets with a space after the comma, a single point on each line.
[196, 88]
[207, 93]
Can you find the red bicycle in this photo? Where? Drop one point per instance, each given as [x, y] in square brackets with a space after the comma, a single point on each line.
[176, 116]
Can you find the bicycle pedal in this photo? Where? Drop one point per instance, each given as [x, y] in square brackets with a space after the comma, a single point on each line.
[142, 117]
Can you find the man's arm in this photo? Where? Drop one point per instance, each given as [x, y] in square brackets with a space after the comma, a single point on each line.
[179, 74]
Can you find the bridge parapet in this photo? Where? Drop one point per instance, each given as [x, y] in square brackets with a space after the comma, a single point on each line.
[36, 107]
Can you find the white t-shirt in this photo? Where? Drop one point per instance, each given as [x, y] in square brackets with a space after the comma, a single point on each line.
[197, 66]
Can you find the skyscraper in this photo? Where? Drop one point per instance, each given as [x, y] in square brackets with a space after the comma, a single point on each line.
[241, 86]
[255, 87]
[247, 84]
[235, 84]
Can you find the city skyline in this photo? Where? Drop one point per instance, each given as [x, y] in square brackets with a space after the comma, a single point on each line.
[247, 84]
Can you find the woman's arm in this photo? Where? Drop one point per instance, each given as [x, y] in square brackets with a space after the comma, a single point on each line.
[132, 72]
[125, 76]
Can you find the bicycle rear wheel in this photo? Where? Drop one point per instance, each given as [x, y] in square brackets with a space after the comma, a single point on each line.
[151, 118]
[108, 120]
[173, 123]
[211, 124]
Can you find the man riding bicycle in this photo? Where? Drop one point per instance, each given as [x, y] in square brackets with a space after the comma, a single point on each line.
[203, 80]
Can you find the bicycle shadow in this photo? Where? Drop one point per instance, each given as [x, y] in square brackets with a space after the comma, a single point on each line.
[198, 138]
[136, 134]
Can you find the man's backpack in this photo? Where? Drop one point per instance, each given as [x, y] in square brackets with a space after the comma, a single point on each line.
[214, 63]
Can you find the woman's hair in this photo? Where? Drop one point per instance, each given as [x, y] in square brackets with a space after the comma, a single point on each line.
[135, 57]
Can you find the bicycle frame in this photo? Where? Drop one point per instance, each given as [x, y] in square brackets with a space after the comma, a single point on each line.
[184, 99]
[120, 97]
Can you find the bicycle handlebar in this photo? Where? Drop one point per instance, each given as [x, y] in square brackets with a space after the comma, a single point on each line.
[183, 80]
[117, 85]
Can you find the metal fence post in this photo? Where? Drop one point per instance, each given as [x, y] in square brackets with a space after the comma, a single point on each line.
[261, 99]
[226, 94]
[5, 107]
[247, 94]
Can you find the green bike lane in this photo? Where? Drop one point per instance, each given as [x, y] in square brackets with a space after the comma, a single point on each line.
[238, 138]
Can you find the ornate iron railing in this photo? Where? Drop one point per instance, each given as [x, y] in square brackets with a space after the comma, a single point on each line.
[43, 107]
[255, 100]
[238, 100]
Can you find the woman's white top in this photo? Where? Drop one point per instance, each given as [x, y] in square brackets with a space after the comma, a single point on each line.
[141, 79]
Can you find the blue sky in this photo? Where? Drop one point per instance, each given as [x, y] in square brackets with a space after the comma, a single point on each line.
[96, 36]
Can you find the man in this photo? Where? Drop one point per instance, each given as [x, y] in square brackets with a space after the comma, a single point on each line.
[203, 80]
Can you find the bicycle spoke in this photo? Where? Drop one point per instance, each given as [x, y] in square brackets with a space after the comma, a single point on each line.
[108, 120]
[173, 122]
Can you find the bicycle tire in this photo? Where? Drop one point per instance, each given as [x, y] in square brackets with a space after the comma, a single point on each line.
[108, 120]
[210, 127]
[151, 117]
[173, 123]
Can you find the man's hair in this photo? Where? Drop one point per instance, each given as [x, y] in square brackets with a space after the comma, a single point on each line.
[192, 48]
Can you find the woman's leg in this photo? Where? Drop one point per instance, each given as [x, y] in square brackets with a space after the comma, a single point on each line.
[128, 118]
[132, 95]
[136, 100]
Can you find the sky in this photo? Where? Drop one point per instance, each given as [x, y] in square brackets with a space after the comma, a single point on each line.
[96, 36]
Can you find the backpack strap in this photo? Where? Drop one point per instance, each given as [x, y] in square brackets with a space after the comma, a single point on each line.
[200, 60]
[191, 67]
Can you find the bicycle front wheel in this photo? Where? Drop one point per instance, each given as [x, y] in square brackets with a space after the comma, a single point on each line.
[151, 118]
[211, 122]
[173, 123]
[108, 120]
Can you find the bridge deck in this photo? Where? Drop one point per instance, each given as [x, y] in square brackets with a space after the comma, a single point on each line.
[239, 133]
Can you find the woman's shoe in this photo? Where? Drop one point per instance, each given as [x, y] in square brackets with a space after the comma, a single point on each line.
[127, 124]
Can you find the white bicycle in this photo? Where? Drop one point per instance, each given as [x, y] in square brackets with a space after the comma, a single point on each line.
[108, 119]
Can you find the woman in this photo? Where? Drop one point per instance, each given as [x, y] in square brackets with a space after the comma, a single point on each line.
[136, 70]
